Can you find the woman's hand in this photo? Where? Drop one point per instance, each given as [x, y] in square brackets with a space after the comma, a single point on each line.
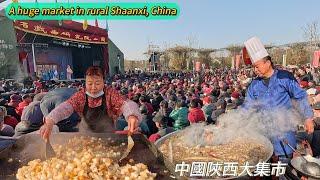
[46, 128]
[132, 124]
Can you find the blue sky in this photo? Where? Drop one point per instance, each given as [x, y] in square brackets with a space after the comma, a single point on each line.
[215, 24]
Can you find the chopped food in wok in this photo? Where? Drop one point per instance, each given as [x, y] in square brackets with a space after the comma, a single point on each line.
[239, 151]
[84, 158]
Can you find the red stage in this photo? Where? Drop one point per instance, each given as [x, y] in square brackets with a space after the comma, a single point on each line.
[94, 39]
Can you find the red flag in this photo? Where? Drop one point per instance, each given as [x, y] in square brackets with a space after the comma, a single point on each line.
[23, 56]
[316, 58]
[246, 57]
[96, 23]
[238, 61]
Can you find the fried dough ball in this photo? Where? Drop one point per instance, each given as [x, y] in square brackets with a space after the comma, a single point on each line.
[81, 159]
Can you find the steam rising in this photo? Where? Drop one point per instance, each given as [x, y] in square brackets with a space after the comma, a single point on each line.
[19, 74]
[245, 123]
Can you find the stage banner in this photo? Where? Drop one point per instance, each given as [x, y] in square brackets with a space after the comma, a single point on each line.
[36, 27]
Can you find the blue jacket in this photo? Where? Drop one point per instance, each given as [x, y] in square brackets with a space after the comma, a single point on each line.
[282, 89]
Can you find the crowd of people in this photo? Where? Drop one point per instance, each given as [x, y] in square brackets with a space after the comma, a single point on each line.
[167, 101]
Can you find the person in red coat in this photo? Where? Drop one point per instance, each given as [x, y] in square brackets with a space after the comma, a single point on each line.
[11, 121]
[143, 101]
[154, 137]
[37, 84]
[26, 100]
[7, 119]
[195, 112]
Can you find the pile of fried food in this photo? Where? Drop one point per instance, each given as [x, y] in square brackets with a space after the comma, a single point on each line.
[84, 158]
[239, 151]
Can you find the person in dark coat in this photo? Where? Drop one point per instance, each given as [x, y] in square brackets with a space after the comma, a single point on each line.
[221, 108]
[164, 112]
[31, 119]
[55, 97]
[144, 102]
[208, 108]
[163, 129]
[157, 98]
[147, 120]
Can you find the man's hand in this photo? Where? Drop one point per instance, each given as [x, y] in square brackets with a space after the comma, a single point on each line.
[132, 124]
[46, 128]
[315, 99]
[309, 125]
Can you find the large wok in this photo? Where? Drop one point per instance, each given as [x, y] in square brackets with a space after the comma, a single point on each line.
[262, 140]
[298, 162]
[31, 146]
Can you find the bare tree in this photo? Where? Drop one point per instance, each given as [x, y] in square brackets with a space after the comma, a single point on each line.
[311, 34]
[234, 49]
[165, 57]
[297, 54]
[193, 43]
[277, 54]
[180, 56]
[204, 56]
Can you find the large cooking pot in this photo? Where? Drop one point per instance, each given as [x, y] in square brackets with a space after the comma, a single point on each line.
[30, 146]
[298, 162]
[260, 139]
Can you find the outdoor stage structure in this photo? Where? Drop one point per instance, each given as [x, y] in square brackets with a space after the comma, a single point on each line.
[29, 48]
[48, 46]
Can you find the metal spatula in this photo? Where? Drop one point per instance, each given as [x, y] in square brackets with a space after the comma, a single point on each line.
[129, 147]
[49, 153]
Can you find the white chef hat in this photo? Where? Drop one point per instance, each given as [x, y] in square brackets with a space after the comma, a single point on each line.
[255, 49]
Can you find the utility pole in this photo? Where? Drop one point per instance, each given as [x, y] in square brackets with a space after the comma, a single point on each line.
[151, 52]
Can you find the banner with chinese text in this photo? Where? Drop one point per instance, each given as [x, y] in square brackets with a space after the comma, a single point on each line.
[36, 27]
[9, 56]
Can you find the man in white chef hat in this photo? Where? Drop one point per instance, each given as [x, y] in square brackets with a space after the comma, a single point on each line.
[274, 89]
